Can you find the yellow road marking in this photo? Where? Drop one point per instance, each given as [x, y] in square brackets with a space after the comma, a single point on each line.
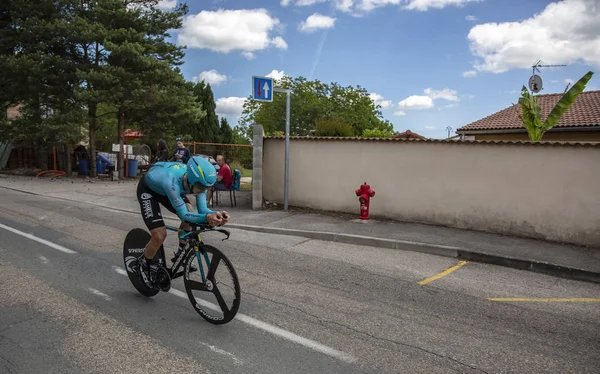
[443, 273]
[549, 300]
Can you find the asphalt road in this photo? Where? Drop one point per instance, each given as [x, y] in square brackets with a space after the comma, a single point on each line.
[307, 307]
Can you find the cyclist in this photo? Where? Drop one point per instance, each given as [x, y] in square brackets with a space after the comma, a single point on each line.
[167, 183]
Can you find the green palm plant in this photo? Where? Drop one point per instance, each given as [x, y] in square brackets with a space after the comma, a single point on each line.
[532, 113]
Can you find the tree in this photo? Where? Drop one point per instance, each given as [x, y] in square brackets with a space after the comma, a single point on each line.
[333, 126]
[384, 130]
[37, 74]
[207, 129]
[139, 76]
[532, 113]
[312, 101]
[226, 132]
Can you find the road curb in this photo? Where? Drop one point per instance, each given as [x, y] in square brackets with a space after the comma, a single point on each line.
[435, 249]
[405, 245]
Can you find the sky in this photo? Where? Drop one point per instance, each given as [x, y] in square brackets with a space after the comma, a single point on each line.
[430, 64]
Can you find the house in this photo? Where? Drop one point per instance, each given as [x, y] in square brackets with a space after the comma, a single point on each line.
[408, 135]
[581, 123]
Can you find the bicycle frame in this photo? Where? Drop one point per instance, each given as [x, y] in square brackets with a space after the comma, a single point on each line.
[196, 242]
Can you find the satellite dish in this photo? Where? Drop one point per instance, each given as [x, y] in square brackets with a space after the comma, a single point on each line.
[535, 83]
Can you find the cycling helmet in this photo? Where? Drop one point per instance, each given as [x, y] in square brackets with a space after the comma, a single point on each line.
[201, 173]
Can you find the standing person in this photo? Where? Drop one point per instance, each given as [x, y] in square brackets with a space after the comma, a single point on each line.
[182, 154]
[162, 152]
[224, 178]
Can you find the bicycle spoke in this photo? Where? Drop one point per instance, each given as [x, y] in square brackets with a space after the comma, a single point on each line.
[220, 299]
[216, 259]
[196, 285]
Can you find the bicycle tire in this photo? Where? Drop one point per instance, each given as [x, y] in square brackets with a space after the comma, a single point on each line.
[133, 246]
[227, 317]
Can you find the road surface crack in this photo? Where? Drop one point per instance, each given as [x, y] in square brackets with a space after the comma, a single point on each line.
[324, 322]
[287, 305]
[408, 345]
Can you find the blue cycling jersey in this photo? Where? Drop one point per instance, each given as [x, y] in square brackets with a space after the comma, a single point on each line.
[166, 178]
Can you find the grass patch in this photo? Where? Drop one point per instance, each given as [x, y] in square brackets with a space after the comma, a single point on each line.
[245, 172]
[245, 186]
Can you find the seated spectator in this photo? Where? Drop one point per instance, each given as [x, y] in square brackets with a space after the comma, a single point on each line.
[224, 178]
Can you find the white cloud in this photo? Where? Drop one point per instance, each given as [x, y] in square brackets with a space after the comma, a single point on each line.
[469, 74]
[471, 18]
[360, 7]
[316, 22]
[247, 30]
[564, 32]
[365, 6]
[249, 55]
[445, 93]
[379, 100]
[569, 81]
[344, 5]
[230, 106]
[276, 74]
[301, 2]
[399, 113]
[430, 127]
[416, 102]
[166, 4]
[423, 5]
[278, 42]
[211, 76]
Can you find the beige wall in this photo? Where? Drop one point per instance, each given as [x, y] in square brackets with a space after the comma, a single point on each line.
[549, 192]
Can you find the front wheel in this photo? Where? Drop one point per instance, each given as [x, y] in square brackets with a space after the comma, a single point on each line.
[204, 286]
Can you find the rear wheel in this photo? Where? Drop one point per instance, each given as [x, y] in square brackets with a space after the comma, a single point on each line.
[133, 248]
[213, 289]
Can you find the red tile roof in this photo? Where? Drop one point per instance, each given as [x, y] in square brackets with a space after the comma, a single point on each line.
[584, 112]
[408, 135]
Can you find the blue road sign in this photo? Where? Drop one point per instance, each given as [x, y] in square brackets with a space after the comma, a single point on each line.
[262, 88]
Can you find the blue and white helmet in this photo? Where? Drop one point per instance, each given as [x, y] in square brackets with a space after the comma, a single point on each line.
[201, 173]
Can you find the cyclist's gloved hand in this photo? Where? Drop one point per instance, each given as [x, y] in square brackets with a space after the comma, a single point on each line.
[214, 219]
[225, 217]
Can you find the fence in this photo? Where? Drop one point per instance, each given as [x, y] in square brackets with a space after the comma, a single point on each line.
[546, 191]
[233, 153]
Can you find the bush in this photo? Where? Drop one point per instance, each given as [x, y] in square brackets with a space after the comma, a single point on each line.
[333, 127]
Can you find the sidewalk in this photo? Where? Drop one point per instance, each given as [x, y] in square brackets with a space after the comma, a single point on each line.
[551, 258]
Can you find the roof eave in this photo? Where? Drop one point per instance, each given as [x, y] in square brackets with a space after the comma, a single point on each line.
[589, 128]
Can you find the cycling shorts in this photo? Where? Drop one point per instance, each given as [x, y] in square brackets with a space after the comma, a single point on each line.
[150, 208]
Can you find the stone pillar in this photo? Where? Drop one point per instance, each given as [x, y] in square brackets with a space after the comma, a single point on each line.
[257, 167]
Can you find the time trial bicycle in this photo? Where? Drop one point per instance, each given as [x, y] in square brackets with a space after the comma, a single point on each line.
[198, 263]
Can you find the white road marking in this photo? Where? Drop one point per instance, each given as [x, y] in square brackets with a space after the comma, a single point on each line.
[218, 350]
[39, 240]
[268, 327]
[44, 259]
[101, 294]
[120, 270]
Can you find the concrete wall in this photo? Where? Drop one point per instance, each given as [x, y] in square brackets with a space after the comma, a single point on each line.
[543, 191]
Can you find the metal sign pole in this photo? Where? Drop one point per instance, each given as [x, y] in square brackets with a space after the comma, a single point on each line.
[287, 151]
[286, 179]
[262, 90]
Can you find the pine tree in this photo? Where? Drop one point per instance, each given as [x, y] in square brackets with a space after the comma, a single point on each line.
[207, 129]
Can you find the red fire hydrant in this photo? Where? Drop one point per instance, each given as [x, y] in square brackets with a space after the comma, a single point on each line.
[364, 193]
